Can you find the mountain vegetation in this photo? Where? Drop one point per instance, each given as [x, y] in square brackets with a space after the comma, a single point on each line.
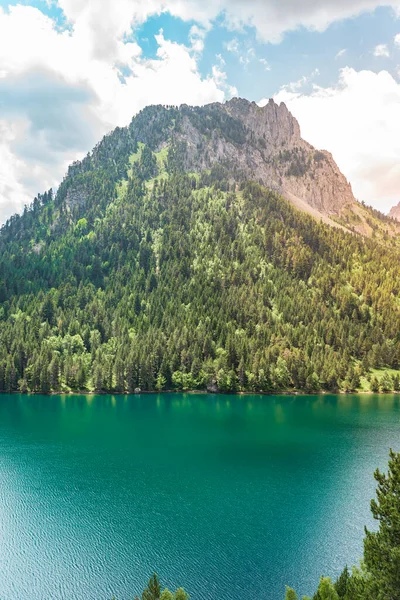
[146, 270]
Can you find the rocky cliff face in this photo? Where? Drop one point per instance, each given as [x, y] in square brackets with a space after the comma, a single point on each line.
[268, 147]
[395, 212]
[244, 140]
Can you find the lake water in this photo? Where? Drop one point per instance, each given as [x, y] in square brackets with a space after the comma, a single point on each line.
[230, 497]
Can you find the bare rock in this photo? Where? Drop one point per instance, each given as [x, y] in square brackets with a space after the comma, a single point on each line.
[395, 212]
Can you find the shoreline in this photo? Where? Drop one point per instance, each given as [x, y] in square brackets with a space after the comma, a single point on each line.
[200, 393]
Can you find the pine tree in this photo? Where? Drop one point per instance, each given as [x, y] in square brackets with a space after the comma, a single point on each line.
[382, 548]
[290, 594]
[326, 590]
[98, 378]
[45, 379]
[180, 594]
[54, 369]
[374, 383]
[153, 589]
[396, 382]
[342, 583]
[386, 383]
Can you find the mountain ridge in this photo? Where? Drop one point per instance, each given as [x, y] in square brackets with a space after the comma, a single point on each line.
[245, 141]
[260, 143]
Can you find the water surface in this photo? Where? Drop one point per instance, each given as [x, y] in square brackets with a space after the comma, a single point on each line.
[230, 497]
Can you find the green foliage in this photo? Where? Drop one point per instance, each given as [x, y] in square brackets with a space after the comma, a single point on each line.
[299, 162]
[382, 548]
[342, 583]
[386, 383]
[146, 167]
[396, 382]
[374, 383]
[176, 158]
[213, 117]
[319, 156]
[180, 594]
[153, 589]
[326, 590]
[290, 594]
[182, 284]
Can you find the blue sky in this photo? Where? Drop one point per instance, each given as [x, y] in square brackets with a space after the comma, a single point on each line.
[71, 70]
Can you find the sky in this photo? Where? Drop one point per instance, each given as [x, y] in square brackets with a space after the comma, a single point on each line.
[72, 70]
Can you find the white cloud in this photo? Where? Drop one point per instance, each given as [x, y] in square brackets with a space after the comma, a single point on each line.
[196, 38]
[396, 39]
[381, 50]
[220, 79]
[59, 98]
[357, 120]
[296, 86]
[341, 53]
[265, 64]
[232, 46]
[247, 56]
[108, 20]
[13, 194]
[245, 52]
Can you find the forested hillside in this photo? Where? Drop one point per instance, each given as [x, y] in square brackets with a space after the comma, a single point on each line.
[137, 274]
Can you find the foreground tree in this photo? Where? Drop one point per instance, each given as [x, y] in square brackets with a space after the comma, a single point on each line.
[382, 548]
[153, 591]
[290, 594]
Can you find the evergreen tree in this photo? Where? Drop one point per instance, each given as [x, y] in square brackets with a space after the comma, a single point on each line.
[290, 594]
[374, 383]
[396, 382]
[54, 369]
[153, 589]
[326, 590]
[382, 548]
[386, 383]
[342, 583]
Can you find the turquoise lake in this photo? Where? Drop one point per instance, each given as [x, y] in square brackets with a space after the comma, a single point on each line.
[228, 496]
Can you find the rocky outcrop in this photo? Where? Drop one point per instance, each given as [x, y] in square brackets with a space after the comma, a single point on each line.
[395, 212]
[270, 151]
[75, 197]
[272, 123]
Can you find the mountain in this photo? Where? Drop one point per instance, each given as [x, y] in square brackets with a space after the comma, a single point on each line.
[169, 259]
[248, 142]
[245, 141]
[263, 144]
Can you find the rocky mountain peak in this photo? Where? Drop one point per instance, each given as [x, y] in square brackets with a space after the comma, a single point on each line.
[241, 138]
[263, 143]
[272, 122]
